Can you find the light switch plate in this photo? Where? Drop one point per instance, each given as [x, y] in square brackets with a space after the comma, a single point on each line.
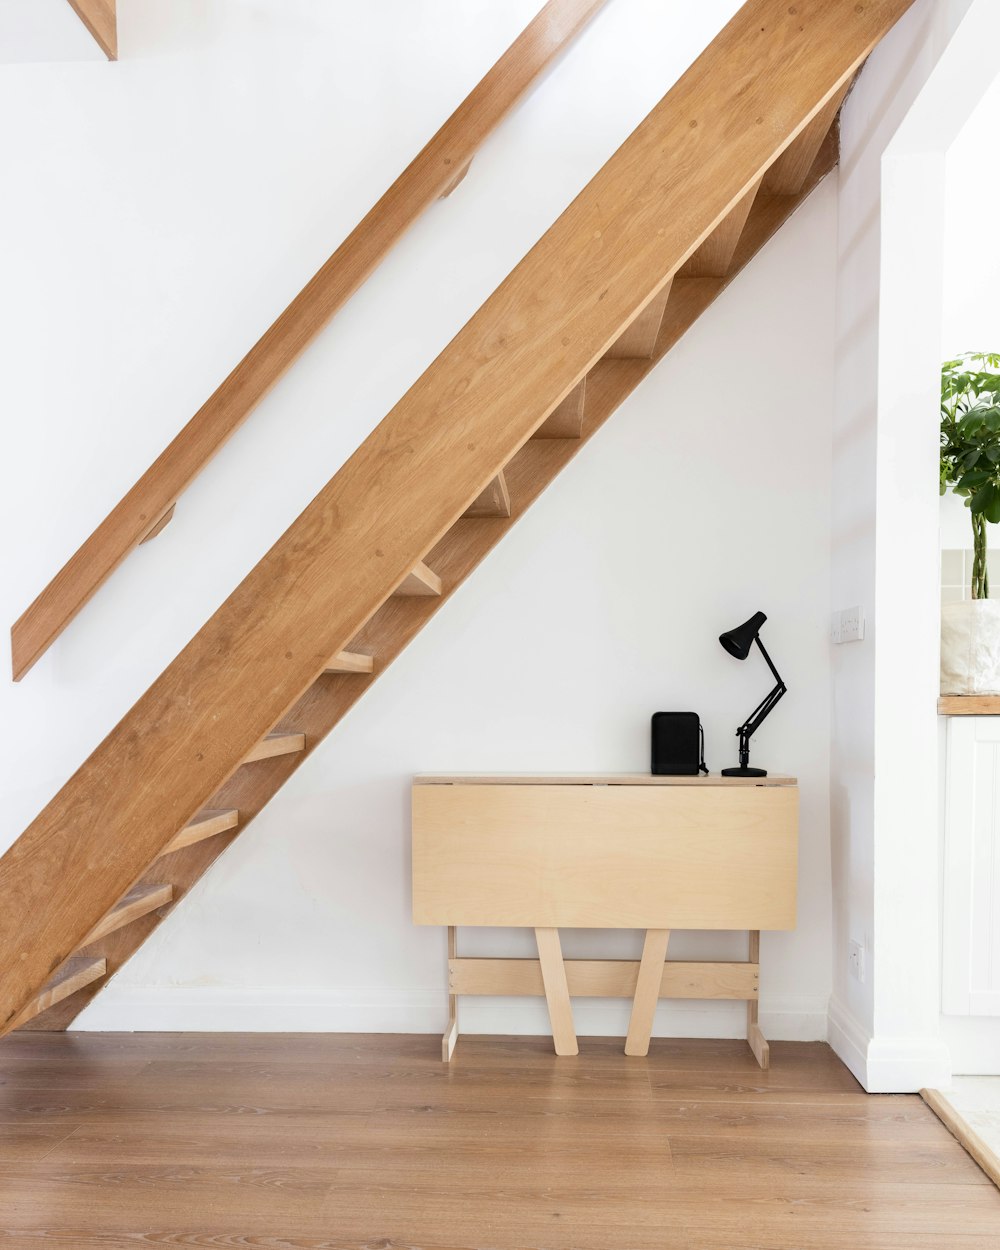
[848, 625]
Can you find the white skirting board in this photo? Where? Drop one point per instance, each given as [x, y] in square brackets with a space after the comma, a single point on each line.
[849, 1040]
[888, 1065]
[354, 1009]
[905, 1065]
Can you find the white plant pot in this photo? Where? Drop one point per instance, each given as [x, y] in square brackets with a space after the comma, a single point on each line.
[970, 647]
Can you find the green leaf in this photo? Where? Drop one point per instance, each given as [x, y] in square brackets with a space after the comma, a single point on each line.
[970, 425]
[969, 461]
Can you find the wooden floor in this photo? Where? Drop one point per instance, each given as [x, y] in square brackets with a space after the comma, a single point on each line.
[277, 1140]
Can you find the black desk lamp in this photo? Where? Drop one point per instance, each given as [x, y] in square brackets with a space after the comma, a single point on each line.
[738, 642]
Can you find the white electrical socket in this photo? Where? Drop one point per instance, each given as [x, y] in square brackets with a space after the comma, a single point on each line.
[856, 961]
[847, 625]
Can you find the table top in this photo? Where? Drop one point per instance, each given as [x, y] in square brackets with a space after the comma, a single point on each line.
[594, 779]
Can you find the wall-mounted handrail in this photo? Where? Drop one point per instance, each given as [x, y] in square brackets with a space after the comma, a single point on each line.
[703, 147]
[431, 174]
[101, 18]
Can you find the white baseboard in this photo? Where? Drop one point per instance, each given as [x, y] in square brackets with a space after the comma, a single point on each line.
[849, 1040]
[882, 1065]
[263, 1009]
[351, 1009]
[794, 1018]
[903, 1065]
[888, 1065]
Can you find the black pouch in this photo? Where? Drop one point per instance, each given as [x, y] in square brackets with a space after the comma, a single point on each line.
[678, 745]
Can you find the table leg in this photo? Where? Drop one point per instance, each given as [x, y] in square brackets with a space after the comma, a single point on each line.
[647, 991]
[755, 1038]
[556, 991]
[451, 1033]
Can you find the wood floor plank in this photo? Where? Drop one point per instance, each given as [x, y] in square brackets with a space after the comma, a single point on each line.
[413, 1215]
[24, 1074]
[351, 1142]
[884, 1161]
[889, 1119]
[288, 1142]
[819, 1240]
[206, 1098]
[387, 1085]
[23, 1141]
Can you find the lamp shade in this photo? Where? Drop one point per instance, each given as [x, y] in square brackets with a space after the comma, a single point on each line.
[738, 641]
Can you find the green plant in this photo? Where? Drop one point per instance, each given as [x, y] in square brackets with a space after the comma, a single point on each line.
[970, 447]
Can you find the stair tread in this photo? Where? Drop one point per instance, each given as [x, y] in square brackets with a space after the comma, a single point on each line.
[208, 823]
[351, 662]
[420, 581]
[638, 340]
[493, 501]
[138, 902]
[78, 971]
[566, 419]
[715, 255]
[212, 813]
[277, 744]
[140, 893]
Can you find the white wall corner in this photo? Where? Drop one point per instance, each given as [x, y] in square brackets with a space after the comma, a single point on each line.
[907, 1051]
[887, 1065]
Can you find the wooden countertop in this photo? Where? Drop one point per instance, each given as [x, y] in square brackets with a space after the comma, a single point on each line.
[594, 779]
[969, 705]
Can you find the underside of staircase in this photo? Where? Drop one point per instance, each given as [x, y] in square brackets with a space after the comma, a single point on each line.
[673, 217]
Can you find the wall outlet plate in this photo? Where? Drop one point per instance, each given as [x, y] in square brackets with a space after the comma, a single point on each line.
[856, 961]
[847, 625]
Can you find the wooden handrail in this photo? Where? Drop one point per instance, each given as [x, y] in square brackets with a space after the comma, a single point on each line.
[431, 174]
[749, 95]
[101, 18]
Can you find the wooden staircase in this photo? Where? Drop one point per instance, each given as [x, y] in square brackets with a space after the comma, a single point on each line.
[676, 213]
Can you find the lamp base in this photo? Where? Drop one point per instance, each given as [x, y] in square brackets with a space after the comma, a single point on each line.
[744, 772]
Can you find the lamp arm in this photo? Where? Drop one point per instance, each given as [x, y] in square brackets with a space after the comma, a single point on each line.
[761, 711]
[770, 664]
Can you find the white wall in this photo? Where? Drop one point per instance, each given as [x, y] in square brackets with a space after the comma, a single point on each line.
[913, 340]
[165, 208]
[44, 30]
[885, 827]
[971, 322]
[892, 78]
[970, 319]
[971, 308]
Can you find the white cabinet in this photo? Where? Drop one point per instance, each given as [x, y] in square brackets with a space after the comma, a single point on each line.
[971, 928]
